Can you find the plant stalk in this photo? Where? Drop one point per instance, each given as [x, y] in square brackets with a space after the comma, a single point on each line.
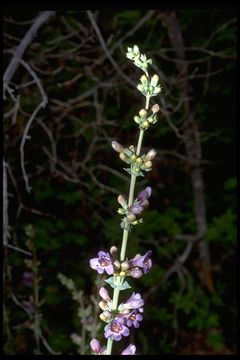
[126, 232]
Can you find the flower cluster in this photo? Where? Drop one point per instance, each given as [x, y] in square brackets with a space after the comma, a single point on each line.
[144, 120]
[129, 155]
[140, 203]
[149, 87]
[136, 267]
[121, 318]
[140, 60]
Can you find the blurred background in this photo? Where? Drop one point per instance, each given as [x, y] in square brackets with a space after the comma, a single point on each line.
[69, 91]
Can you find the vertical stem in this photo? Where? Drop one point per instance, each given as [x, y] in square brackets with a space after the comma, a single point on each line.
[126, 232]
[36, 302]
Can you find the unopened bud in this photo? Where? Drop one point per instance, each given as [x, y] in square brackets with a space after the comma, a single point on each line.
[143, 79]
[117, 265]
[143, 113]
[122, 156]
[107, 314]
[122, 200]
[148, 164]
[154, 80]
[133, 157]
[131, 217]
[124, 265]
[155, 108]
[103, 318]
[145, 125]
[102, 305]
[151, 154]
[136, 273]
[113, 250]
[117, 147]
[139, 160]
[122, 273]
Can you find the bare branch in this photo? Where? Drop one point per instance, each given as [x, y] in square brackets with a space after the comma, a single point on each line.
[18, 54]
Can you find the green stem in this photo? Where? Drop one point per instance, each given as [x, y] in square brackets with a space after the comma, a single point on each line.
[126, 232]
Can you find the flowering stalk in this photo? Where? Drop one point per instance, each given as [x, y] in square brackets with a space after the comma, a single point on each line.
[120, 318]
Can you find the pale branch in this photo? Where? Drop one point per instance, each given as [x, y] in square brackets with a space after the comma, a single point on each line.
[21, 48]
[105, 49]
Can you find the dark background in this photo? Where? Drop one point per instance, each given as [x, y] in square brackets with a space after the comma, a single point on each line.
[75, 177]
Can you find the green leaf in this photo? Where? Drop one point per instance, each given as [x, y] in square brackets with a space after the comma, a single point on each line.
[124, 286]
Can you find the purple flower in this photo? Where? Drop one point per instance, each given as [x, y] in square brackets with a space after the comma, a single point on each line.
[136, 273]
[134, 302]
[103, 262]
[133, 319]
[104, 294]
[143, 262]
[27, 279]
[116, 329]
[136, 209]
[130, 350]
[145, 194]
[96, 347]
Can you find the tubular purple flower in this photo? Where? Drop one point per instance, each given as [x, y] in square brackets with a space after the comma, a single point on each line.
[116, 329]
[136, 273]
[145, 194]
[130, 350]
[102, 263]
[96, 347]
[134, 302]
[136, 209]
[133, 319]
[104, 294]
[143, 262]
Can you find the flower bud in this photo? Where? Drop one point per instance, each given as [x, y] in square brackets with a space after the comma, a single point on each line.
[107, 314]
[116, 265]
[148, 164]
[102, 305]
[154, 80]
[104, 294]
[151, 154]
[145, 203]
[131, 217]
[133, 157]
[155, 108]
[122, 273]
[124, 265]
[143, 113]
[136, 273]
[143, 79]
[136, 209]
[103, 318]
[122, 200]
[117, 147]
[122, 156]
[113, 250]
[145, 125]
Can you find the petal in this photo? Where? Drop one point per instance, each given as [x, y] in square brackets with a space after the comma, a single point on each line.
[126, 331]
[94, 263]
[108, 333]
[95, 345]
[100, 270]
[117, 337]
[102, 253]
[109, 269]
